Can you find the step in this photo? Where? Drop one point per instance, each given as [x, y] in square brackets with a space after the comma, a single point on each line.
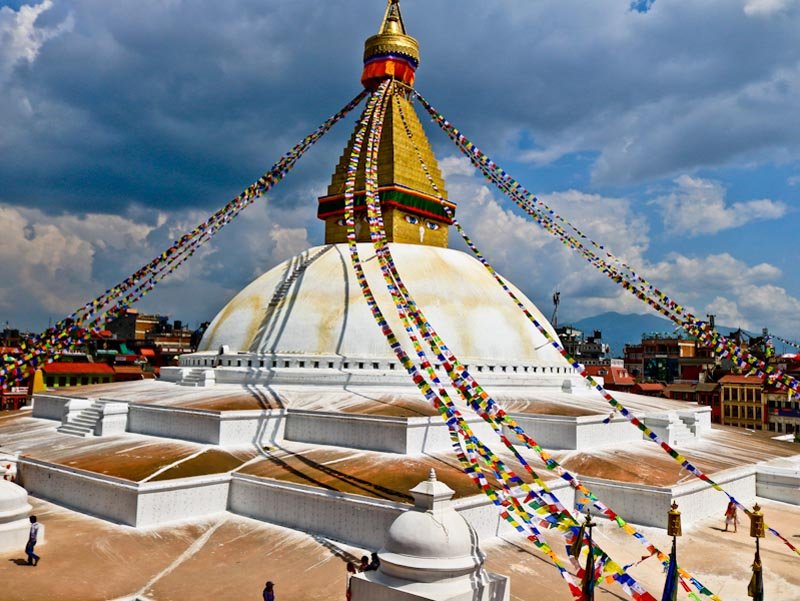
[83, 423]
[73, 431]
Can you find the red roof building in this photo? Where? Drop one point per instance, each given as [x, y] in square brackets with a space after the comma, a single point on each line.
[614, 377]
[648, 389]
[67, 373]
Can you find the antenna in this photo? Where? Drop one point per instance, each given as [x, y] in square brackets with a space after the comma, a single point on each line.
[556, 302]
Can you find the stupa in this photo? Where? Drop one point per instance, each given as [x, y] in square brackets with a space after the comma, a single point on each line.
[295, 411]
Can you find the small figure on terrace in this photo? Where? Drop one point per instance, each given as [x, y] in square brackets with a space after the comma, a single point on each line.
[351, 571]
[33, 559]
[364, 566]
[374, 564]
[269, 592]
[731, 516]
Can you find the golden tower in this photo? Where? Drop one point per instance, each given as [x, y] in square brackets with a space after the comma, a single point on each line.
[412, 212]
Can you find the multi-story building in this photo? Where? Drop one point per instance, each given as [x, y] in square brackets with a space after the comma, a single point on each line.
[743, 402]
[668, 358]
[702, 393]
[633, 359]
[783, 411]
[589, 350]
[132, 325]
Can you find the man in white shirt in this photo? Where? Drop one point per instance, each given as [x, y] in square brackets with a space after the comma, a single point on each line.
[33, 559]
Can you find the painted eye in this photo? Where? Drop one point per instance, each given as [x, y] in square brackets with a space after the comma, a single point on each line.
[342, 222]
[412, 220]
[432, 225]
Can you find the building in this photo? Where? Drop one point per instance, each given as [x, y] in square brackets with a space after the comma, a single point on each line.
[702, 393]
[64, 374]
[134, 326]
[668, 358]
[615, 377]
[588, 350]
[743, 401]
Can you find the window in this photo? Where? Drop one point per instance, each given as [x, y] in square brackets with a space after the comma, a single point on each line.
[286, 364]
[330, 364]
[375, 366]
[301, 364]
[316, 364]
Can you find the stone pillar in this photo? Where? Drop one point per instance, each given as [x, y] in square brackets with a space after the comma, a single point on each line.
[431, 553]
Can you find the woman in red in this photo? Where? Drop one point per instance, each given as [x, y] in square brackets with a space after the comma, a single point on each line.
[731, 516]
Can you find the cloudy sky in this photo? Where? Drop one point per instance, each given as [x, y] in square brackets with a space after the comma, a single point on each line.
[668, 130]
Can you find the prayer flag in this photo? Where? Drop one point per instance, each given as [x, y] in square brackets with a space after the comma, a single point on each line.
[671, 585]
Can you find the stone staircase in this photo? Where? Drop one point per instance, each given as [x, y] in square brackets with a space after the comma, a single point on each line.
[84, 423]
[283, 288]
[682, 432]
[198, 376]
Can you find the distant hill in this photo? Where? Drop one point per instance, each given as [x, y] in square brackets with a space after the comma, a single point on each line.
[619, 329]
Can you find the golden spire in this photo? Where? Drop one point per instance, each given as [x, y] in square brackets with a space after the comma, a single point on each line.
[409, 196]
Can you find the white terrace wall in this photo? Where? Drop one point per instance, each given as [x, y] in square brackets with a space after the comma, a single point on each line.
[110, 498]
[779, 484]
[49, 406]
[558, 432]
[404, 435]
[181, 499]
[348, 518]
[125, 502]
[648, 505]
[225, 428]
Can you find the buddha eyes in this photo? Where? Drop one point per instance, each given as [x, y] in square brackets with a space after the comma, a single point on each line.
[432, 225]
[412, 220]
[341, 222]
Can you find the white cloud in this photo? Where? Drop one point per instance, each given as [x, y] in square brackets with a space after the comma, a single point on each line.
[763, 8]
[52, 264]
[697, 206]
[20, 38]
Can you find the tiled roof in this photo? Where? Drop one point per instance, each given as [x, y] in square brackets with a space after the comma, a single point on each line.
[734, 379]
[78, 368]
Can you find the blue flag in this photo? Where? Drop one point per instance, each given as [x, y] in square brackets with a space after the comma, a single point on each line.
[671, 585]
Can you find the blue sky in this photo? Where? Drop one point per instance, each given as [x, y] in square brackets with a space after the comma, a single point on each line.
[668, 130]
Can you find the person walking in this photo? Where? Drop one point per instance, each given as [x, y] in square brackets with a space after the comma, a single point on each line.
[269, 591]
[731, 516]
[33, 536]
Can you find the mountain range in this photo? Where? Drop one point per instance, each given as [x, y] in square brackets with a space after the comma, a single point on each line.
[619, 329]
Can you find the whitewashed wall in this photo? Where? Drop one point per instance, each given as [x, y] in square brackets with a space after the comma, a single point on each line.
[48, 406]
[348, 518]
[224, 428]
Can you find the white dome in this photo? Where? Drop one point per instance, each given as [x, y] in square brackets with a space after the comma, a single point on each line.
[432, 541]
[423, 537]
[13, 502]
[312, 304]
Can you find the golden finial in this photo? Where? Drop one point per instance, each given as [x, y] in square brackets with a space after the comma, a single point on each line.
[674, 521]
[392, 41]
[756, 522]
[392, 19]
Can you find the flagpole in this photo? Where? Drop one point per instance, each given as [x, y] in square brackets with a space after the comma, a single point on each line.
[588, 577]
[755, 588]
[674, 530]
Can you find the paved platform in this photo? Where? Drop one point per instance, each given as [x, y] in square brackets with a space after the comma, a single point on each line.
[228, 558]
